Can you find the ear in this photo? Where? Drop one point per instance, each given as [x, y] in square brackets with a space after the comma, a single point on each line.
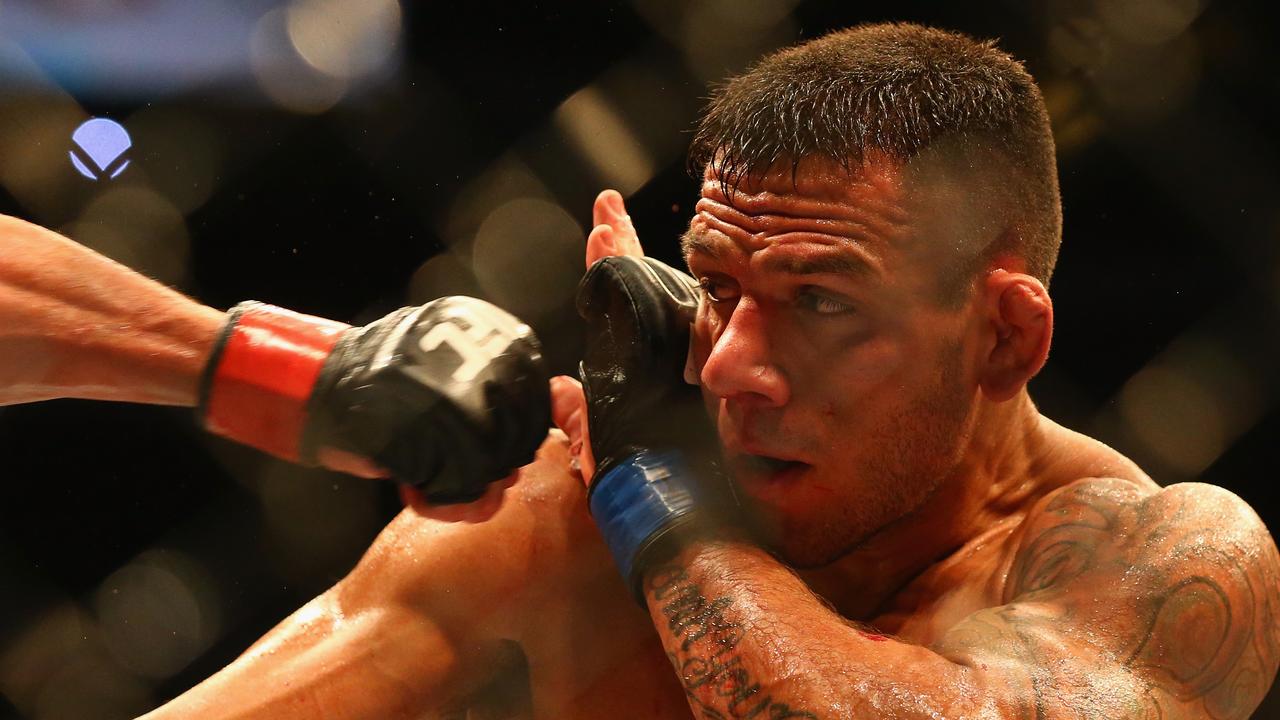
[1020, 320]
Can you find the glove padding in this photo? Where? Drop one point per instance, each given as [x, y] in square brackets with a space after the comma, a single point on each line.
[656, 483]
[449, 396]
[638, 313]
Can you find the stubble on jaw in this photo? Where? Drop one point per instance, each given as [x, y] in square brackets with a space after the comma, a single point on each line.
[921, 446]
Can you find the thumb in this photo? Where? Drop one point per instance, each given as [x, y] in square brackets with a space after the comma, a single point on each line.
[569, 413]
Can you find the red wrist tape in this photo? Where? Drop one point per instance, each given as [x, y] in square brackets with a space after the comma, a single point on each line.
[262, 373]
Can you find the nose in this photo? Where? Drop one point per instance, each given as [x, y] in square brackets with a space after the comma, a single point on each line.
[740, 365]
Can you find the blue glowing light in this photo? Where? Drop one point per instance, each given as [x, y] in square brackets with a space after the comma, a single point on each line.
[98, 148]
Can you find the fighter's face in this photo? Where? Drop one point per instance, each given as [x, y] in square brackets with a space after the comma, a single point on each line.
[839, 384]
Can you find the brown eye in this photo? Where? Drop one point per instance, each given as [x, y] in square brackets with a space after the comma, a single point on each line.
[716, 291]
[823, 304]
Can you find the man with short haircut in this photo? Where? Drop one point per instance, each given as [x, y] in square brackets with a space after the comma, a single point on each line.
[878, 225]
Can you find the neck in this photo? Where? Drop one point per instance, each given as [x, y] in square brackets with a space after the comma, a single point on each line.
[1007, 460]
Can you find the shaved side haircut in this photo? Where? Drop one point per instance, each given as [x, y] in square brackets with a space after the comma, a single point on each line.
[901, 90]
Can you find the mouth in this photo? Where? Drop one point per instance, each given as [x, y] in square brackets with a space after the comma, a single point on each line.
[766, 468]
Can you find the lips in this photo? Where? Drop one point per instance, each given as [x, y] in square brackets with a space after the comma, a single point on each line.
[755, 454]
[757, 467]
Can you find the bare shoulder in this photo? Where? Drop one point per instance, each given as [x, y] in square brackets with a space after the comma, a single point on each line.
[1179, 526]
[1181, 584]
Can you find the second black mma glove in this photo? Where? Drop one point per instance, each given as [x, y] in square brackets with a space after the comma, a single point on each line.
[656, 479]
[447, 396]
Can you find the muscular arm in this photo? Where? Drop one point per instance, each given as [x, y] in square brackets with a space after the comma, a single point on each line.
[334, 659]
[434, 611]
[76, 324]
[1118, 605]
[414, 629]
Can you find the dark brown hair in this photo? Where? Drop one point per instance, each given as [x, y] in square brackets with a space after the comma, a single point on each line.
[896, 88]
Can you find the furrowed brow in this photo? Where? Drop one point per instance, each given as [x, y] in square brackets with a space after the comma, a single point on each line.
[694, 241]
[823, 264]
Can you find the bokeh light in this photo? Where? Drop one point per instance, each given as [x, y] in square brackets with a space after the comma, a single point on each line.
[527, 257]
[1176, 417]
[158, 613]
[719, 37]
[137, 227]
[309, 522]
[1145, 82]
[35, 136]
[344, 39]
[285, 76]
[506, 179]
[1187, 406]
[444, 274]
[183, 154]
[59, 669]
[1148, 22]
[597, 131]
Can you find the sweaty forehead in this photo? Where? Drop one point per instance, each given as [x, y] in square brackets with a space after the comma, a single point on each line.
[821, 203]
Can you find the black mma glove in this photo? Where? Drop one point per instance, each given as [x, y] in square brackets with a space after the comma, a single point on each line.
[448, 396]
[656, 478]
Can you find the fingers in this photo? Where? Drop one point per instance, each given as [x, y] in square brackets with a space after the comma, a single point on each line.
[569, 412]
[613, 233]
[600, 244]
[602, 212]
[351, 464]
[567, 401]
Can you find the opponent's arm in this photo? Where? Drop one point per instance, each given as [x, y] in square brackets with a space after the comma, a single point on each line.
[429, 616]
[330, 660]
[1119, 606]
[447, 396]
[76, 324]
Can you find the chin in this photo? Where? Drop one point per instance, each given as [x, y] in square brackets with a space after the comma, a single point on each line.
[813, 553]
[806, 543]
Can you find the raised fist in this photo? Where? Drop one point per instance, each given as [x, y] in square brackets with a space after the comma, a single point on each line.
[448, 396]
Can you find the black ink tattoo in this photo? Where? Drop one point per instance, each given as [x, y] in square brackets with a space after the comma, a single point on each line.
[1063, 547]
[1180, 587]
[711, 666]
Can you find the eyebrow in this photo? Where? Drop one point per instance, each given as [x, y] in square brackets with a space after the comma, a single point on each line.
[844, 264]
[695, 242]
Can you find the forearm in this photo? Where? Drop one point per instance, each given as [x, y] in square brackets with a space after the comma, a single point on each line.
[748, 639]
[76, 324]
[421, 624]
[326, 662]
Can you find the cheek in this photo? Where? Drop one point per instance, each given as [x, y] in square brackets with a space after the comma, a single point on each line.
[706, 328]
[860, 408]
[843, 376]
[701, 343]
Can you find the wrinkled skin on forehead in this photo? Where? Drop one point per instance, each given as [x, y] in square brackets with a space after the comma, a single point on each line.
[821, 339]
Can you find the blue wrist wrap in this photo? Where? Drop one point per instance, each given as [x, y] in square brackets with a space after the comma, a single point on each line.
[639, 501]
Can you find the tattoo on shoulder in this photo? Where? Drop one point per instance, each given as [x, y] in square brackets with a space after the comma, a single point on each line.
[718, 684]
[1183, 586]
[1062, 541]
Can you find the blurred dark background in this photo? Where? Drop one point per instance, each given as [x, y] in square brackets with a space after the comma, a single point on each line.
[345, 157]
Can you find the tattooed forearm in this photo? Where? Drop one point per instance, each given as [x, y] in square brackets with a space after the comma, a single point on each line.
[706, 657]
[1120, 601]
